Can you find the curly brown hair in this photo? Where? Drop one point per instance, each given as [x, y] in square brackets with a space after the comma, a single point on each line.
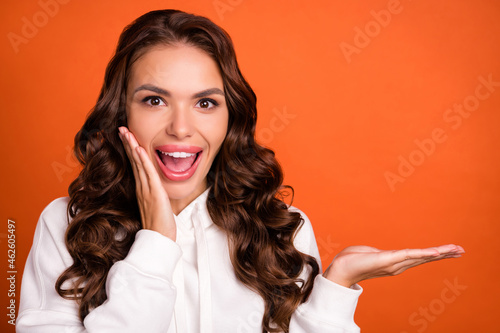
[245, 197]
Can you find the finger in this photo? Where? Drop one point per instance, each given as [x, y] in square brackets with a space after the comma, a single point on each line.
[450, 248]
[407, 254]
[141, 174]
[131, 146]
[142, 183]
[144, 164]
[128, 149]
[409, 263]
[431, 252]
[165, 220]
[126, 143]
[154, 181]
[403, 266]
[148, 174]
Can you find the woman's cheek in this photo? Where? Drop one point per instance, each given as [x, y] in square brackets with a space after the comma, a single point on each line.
[143, 125]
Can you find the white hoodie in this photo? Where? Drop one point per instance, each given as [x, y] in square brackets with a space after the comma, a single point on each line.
[184, 286]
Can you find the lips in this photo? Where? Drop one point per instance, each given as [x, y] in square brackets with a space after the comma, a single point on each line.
[177, 162]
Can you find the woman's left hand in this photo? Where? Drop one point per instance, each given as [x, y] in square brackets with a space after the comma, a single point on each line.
[358, 263]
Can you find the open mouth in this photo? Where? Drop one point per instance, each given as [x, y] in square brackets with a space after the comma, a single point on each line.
[178, 161]
[180, 164]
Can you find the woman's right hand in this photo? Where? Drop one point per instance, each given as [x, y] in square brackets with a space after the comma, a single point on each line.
[154, 205]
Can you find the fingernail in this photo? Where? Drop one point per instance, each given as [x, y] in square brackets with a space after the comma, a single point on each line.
[121, 129]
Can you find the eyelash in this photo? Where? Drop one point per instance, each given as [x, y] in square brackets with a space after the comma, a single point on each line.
[214, 103]
[148, 100]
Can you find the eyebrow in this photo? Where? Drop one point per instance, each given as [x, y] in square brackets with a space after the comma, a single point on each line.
[158, 90]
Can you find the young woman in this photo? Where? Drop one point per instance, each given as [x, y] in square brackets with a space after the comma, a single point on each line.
[176, 222]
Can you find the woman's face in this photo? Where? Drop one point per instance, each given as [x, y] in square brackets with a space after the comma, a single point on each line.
[177, 111]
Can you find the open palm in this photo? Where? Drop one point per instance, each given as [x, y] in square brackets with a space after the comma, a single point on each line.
[358, 263]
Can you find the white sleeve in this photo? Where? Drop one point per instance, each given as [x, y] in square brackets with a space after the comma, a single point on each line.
[330, 307]
[140, 293]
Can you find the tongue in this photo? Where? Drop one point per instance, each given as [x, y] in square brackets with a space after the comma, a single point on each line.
[177, 164]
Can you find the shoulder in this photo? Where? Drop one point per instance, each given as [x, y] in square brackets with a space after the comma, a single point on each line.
[49, 246]
[56, 213]
[306, 225]
[305, 234]
[47, 259]
[56, 208]
[53, 221]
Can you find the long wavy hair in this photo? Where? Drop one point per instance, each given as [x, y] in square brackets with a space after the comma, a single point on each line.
[245, 197]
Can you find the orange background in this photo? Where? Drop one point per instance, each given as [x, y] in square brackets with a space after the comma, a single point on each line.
[351, 119]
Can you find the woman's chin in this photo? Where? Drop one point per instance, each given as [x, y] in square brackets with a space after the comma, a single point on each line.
[181, 193]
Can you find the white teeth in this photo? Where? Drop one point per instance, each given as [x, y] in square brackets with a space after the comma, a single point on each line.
[178, 154]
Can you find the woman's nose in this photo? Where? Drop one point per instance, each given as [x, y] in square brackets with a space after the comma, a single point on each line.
[180, 124]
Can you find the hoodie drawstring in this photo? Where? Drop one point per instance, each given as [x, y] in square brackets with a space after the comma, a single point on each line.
[180, 310]
[204, 284]
[204, 289]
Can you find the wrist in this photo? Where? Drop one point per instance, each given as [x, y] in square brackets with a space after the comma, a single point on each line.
[337, 277]
[170, 233]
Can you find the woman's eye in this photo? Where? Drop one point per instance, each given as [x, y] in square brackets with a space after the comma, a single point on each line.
[206, 103]
[154, 101]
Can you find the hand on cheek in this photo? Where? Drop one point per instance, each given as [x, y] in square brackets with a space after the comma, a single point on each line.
[153, 201]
